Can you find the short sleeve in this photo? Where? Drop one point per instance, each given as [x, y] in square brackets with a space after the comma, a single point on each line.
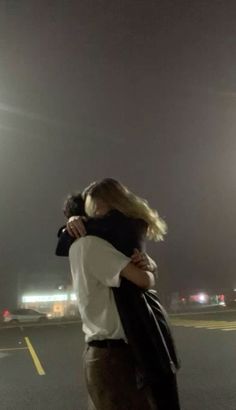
[104, 262]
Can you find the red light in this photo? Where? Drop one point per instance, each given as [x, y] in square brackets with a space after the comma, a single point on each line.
[5, 313]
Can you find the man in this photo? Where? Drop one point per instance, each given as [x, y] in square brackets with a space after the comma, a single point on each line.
[97, 266]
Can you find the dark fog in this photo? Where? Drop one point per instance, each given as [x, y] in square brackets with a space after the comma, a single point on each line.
[141, 91]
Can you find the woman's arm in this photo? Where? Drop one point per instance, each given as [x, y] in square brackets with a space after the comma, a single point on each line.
[76, 226]
[68, 233]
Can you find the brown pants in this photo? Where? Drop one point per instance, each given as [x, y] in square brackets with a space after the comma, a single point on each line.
[110, 380]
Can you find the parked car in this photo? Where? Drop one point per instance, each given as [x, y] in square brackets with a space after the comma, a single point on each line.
[23, 315]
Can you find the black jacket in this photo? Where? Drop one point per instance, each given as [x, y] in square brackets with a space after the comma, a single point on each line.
[144, 320]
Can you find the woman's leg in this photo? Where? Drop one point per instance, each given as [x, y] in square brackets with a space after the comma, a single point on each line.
[165, 393]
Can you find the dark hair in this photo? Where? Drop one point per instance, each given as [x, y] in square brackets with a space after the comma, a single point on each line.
[74, 205]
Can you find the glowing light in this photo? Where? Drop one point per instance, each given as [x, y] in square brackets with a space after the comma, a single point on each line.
[44, 298]
[202, 297]
[73, 296]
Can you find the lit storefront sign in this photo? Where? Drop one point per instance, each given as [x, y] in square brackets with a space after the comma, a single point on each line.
[48, 298]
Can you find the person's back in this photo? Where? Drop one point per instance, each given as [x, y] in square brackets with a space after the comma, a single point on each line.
[93, 281]
[124, 233]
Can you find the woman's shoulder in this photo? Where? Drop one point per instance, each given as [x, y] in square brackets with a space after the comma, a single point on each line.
[137, 224]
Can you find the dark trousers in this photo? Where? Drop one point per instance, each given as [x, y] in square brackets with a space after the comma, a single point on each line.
[111, 381]
[110, 376]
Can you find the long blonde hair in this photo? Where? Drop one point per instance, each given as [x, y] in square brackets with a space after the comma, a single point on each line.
[119, 197]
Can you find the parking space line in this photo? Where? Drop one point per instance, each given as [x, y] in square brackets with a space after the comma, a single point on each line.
[14, 348]
[35, 324]
[35, 358]
[210, 325]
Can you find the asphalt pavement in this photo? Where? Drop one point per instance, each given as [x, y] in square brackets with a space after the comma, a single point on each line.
[57, 350]
[41, 366]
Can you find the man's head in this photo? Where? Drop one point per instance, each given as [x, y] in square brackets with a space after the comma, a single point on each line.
[74, 205]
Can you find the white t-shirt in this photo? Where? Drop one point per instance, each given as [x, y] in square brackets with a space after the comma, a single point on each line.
[95, 267]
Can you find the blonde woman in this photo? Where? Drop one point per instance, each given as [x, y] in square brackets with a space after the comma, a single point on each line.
[109, 285]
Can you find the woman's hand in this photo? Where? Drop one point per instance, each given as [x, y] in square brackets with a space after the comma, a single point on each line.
[75, 226]
[143, 261]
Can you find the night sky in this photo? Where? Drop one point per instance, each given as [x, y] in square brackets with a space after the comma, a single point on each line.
[142, 91]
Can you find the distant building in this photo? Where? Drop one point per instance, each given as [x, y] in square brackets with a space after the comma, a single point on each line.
[54, 304]
[50, 294]
[197, 298]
